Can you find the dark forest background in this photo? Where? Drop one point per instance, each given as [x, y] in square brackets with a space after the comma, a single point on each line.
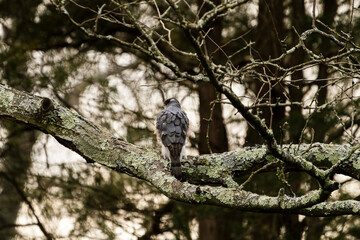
[43, 52]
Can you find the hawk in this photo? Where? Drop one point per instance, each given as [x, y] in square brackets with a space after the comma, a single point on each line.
[172, 125]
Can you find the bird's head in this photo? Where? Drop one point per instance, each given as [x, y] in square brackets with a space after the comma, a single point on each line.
[172, 102]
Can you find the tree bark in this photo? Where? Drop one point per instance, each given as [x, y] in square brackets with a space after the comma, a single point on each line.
[270, 30]
[296, 119]
[326, 48]
[212, 134]
[16, 161]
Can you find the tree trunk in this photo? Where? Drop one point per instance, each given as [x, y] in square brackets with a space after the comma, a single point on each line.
[209, 225]
[296, 119]
[207, 94]
[268, 44]
[270, 30]
[321, 127]
[217, 131]
[16, 161]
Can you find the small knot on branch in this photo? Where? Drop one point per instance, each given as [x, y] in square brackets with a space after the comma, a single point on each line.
[46, 105]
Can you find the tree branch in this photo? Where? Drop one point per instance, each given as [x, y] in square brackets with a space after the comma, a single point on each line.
[97, 145]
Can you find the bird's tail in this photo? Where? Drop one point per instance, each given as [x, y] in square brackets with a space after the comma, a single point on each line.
[175, 150]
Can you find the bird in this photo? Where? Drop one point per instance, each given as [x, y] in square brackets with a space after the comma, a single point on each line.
[172, 124]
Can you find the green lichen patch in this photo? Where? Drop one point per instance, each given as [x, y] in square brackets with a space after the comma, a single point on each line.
[29, 104]
[323, 153]
[356, 163]
[104, 145]
[263, 201]
[163, 181]
[226, 196]
[6, 98]
[151, 157]
[69, 120]
[256, 153]
[213, 172]
[215, 168]
[353, 157]
[135, 161]
[356, 209]
[204, 161]
[199, 198]
[336, 153]
[158, 178]
[247, 157]
[189, 170]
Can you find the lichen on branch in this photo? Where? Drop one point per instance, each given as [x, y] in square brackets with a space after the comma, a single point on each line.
[98, 145]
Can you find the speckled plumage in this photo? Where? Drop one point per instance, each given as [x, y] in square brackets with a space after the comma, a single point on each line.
[172, 125]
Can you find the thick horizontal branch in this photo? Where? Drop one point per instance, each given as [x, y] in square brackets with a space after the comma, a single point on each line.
[97, 145]
[250, 159]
